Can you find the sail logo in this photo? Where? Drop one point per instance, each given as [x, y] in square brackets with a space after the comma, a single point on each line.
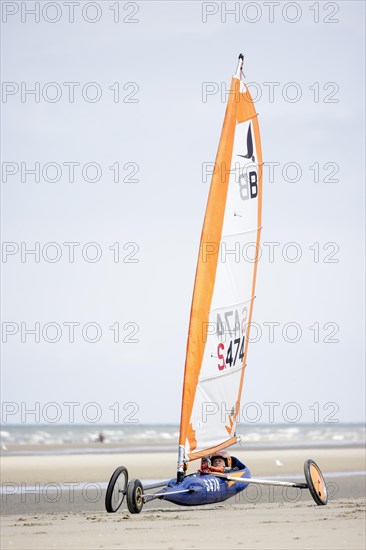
[250, 147]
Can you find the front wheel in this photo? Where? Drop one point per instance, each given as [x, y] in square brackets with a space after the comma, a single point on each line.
[315, 481]
[135, 499]
[116, 490]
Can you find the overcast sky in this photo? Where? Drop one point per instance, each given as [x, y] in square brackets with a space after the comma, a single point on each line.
[146, 95]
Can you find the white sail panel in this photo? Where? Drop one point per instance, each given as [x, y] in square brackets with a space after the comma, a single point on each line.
[213, 380]
[217, 391]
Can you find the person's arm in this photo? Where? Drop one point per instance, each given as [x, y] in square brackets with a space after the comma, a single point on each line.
[217, 469]
[205, 466]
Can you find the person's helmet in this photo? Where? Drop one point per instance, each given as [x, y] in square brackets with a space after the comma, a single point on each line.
[224, 455]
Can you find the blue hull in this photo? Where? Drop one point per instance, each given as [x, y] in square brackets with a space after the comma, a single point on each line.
[205, 488]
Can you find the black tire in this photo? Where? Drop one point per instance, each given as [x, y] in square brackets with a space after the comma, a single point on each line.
[116, 490]
[315, 482]
[135, 499]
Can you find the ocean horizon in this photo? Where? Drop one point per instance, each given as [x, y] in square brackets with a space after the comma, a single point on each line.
[112, 438]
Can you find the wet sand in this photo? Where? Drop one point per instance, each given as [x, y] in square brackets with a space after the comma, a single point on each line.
[58, 502]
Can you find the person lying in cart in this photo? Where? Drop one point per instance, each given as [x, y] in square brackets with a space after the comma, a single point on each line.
[220, 462]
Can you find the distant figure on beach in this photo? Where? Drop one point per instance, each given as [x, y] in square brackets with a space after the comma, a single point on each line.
[216, 464]
[101, 437]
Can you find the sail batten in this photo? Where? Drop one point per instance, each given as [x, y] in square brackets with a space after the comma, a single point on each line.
[241, 233]
[221, 312]
[226, 373]
[233, 305]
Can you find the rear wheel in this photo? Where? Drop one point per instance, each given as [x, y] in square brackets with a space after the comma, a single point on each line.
[315, 481]
[135, 499]
[116, 490]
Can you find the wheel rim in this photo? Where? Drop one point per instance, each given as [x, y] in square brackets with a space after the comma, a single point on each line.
[318, 482]
[138, 496]
[119, 491]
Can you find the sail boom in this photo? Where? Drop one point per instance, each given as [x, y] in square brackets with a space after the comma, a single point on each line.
[212, 450]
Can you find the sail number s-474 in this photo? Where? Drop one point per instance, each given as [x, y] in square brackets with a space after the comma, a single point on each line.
[234, 352]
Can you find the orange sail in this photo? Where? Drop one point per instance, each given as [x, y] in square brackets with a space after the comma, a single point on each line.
[224, 287]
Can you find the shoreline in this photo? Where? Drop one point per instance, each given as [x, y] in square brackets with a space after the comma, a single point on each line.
[111, 448]
[162, 465]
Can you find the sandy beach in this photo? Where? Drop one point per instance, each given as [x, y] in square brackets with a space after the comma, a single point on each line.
[58, 502]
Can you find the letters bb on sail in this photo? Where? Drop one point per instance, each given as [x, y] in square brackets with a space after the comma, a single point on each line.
[224, 288]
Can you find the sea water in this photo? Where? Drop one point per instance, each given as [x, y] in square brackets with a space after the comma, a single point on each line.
[87, 438]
